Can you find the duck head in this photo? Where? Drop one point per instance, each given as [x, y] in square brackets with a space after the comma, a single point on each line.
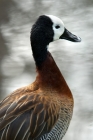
[49, 28]
[46, 29]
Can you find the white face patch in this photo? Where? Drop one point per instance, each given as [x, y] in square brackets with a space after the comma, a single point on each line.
[58, 26]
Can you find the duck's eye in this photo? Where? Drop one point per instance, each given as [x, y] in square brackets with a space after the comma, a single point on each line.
[57, 26]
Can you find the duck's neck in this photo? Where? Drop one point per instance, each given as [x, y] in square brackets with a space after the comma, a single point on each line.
[49, 75]
[39, 53]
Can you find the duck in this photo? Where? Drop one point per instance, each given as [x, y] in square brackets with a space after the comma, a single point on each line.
[41, 110]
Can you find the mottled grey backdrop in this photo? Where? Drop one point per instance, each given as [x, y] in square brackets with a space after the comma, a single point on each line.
[75, 60]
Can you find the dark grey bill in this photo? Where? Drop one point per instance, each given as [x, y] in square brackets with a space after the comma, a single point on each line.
[69, 36]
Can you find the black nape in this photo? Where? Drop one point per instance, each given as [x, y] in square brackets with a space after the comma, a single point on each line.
[41, 35]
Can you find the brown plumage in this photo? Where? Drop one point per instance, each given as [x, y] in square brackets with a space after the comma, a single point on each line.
[39, 109]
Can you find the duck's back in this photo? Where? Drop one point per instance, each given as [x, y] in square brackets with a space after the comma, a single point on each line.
[34, 116]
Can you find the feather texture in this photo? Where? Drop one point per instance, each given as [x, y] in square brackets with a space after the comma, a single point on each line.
[27, 111]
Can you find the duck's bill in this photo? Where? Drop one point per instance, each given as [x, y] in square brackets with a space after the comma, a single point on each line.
[69, 36]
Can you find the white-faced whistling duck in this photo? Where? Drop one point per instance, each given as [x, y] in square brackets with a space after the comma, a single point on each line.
[43, 109]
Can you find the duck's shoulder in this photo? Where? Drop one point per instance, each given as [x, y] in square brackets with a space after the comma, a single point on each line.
[16, 94]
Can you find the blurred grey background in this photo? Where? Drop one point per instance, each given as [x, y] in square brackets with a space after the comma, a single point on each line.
[75, 60]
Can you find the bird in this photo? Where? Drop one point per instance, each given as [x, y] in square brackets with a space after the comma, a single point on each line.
[41, 110]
